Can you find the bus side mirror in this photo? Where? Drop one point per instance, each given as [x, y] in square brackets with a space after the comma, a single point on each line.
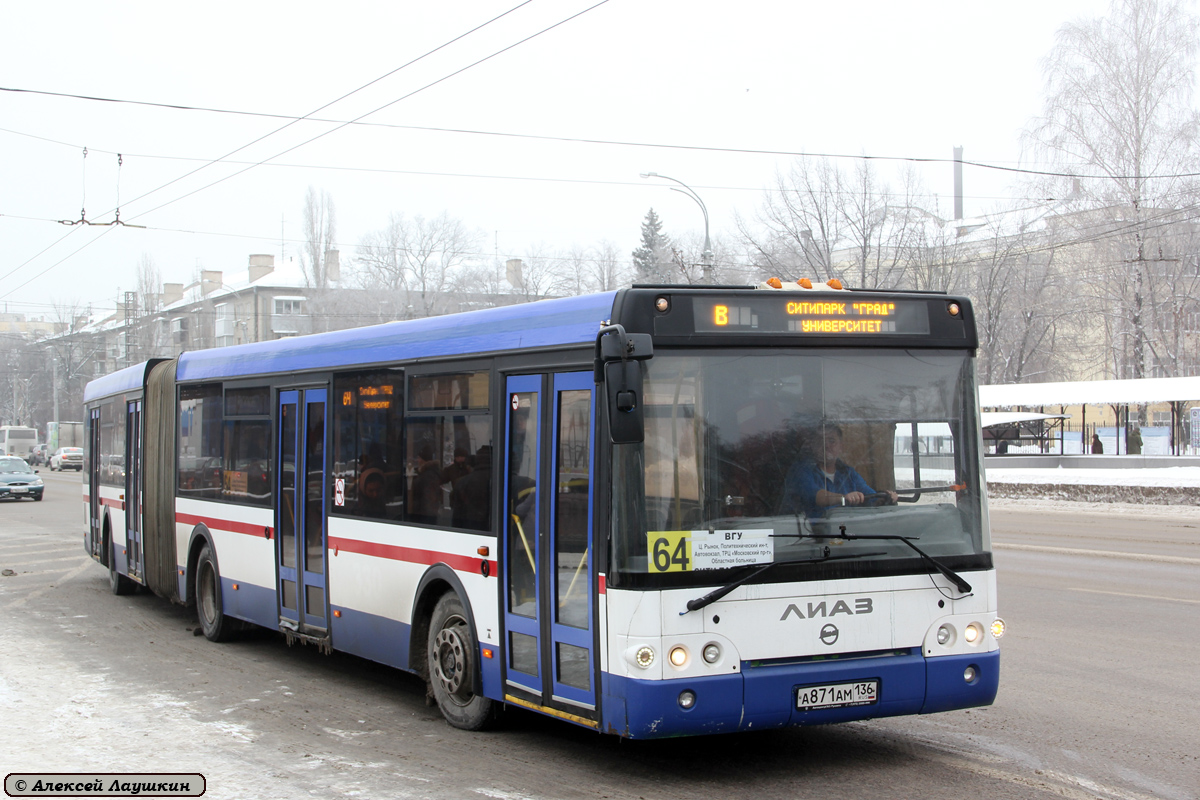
[623, 387]
[617, 367]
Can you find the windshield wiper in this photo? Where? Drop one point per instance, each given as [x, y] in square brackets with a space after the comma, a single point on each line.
[716, 594]
[949, 574]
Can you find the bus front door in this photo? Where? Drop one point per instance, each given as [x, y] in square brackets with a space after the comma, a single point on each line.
[549, 574]
[300, 516]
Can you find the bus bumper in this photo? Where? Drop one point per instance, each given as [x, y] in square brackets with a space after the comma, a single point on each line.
[761, 697]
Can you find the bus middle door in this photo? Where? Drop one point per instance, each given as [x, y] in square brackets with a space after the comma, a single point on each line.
[549, 574]
[301, 533]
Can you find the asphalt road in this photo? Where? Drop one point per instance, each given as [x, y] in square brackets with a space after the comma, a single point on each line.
[1098, 695]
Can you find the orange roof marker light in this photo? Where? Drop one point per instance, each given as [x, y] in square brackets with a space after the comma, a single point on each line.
[834, 283]
[803, 284]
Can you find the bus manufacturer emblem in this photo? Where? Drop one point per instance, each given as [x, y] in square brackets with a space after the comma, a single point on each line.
[829, 634]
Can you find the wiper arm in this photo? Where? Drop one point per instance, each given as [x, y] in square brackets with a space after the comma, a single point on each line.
[949, 574]
[716, 594]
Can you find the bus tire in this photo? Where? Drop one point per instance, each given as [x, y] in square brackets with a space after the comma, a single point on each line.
[453, 660]
[118, 584]
[216, 626]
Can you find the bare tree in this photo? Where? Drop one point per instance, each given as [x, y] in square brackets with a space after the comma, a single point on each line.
[543, 274]
[151, 339]
[320, 236]
[1118, 108]
[607, 268]
[826, 222]
[799, 225]
[416, 261]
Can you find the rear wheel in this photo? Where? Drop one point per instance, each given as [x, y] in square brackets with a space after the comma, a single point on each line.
[216, 626]
[118, 584]
[453, 661]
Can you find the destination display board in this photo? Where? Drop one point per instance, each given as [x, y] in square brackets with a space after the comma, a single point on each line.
[813, 316]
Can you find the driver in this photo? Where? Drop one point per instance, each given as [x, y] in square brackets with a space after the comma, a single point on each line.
[815, 484]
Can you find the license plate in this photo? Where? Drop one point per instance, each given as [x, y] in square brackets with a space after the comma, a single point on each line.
[19, 490]
[837, 695]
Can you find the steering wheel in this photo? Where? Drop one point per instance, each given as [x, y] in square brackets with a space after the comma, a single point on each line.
[877, 499]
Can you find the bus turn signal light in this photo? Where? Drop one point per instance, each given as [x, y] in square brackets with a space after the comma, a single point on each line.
[483, 550]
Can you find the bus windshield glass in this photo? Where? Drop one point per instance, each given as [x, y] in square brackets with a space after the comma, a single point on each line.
[754, 458]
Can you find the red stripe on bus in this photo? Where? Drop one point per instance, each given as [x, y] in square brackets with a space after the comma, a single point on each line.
[603, 585]
[223, 524]
[411, 555]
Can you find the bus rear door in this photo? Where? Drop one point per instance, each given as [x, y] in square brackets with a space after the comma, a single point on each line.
[133, 488]
[93, 479]
[549, 572]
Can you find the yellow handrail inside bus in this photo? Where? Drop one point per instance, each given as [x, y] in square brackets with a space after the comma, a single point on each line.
[571, 586]
[525, 541]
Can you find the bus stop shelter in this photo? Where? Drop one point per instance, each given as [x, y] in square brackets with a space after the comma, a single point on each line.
[1119, 394]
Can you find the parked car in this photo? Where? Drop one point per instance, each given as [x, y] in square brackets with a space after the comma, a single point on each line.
[18, 479]
[65, 458]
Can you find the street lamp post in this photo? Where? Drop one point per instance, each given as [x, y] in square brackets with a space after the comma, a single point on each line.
[706, 258]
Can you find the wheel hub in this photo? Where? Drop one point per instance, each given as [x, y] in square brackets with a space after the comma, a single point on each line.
[450, 661]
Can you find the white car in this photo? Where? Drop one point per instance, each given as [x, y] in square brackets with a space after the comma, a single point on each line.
[67, 458]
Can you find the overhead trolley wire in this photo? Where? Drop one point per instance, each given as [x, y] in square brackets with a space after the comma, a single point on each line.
[381, 108]
[192, 172]
[292, 122]
[612, 142]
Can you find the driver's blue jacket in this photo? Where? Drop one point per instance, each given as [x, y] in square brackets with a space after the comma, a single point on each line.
[805, 478]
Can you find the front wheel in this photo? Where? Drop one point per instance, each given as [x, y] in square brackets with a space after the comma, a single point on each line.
[453, 656]
[216, 626]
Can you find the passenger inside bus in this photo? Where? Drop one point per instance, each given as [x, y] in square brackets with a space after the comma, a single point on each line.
[471, 497]
[820, 480]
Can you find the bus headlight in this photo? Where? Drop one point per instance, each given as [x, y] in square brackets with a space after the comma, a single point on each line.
[997, 628]
[678, 656]
[687, 699]
[945, 635]
[973, 633]
[644, 656]
[712, 652]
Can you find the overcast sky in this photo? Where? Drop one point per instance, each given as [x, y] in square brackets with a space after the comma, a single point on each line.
[876, 78]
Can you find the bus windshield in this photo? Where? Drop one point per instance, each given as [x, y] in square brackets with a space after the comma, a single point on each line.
[757, 457]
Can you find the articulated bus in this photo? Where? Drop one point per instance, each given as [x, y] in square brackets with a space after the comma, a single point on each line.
[660, 511]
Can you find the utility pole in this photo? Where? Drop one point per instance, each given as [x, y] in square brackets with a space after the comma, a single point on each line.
[54, 372]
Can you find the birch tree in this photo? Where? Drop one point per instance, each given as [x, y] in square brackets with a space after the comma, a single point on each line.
[1118, 110]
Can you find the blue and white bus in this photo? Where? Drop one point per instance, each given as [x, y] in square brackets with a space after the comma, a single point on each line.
[660, 511]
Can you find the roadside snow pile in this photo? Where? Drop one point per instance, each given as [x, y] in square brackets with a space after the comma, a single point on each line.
[1161, 476]
[1171, 485]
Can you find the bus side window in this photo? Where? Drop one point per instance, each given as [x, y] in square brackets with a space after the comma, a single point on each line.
[368, 438]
